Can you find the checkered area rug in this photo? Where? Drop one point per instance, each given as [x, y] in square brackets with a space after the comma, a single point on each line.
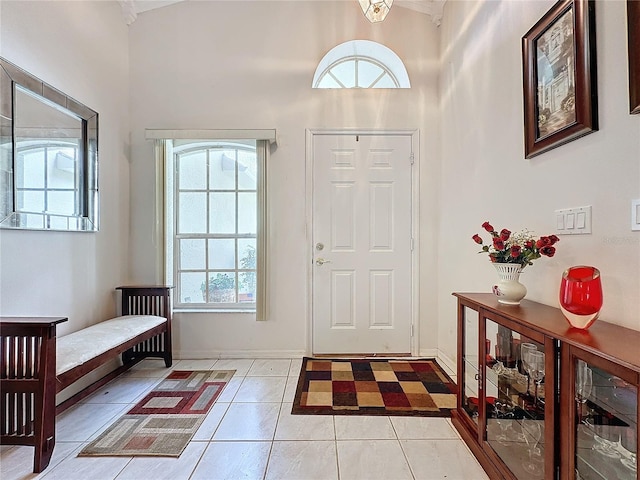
[163, 423]
[374, 387]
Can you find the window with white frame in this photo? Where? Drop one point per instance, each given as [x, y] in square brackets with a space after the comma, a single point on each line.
[361, 64]
[47, 177]
[213, 190]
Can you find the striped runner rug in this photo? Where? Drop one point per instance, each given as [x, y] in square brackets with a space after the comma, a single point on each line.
[163, 423]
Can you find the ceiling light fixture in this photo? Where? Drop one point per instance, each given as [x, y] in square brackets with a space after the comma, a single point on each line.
[375, 10]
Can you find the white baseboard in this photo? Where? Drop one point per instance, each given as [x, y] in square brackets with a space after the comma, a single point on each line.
[207, 354]
[429, 353]
[444, 361]
[447, 363]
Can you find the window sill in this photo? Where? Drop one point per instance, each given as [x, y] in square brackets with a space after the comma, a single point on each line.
[213, 310]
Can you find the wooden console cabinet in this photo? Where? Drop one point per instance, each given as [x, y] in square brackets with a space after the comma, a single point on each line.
[538, 399]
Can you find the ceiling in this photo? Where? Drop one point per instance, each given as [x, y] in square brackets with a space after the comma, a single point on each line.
[131, 8]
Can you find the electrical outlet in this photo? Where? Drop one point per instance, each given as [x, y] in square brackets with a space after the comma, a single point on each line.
[573, 221]
[635, 214]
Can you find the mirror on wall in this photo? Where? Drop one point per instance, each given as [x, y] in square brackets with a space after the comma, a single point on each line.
[48, 156]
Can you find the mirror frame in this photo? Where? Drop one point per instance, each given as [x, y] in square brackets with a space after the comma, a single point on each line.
[88, 220]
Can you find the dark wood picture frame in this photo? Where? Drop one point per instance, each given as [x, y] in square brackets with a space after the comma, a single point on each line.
[633, 31]
[563, 43]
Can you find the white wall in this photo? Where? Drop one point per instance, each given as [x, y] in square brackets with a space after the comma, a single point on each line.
[81, 48]
[485, 176]
[250, 65]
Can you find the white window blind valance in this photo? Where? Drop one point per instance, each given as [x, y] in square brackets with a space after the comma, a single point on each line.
[212, 134]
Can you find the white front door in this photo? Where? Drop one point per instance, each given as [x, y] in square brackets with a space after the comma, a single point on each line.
[362, 244]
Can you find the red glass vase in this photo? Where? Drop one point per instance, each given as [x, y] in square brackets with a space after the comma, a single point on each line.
[581, 295]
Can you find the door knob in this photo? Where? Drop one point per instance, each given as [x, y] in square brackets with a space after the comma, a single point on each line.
[321, 261]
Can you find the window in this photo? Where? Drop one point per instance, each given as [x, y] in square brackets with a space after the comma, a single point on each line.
[361, 64]
[47, 179]
[214, 204]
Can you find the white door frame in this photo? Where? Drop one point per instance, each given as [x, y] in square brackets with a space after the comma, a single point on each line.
[415, 230]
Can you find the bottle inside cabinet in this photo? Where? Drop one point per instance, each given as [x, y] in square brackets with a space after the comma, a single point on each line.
[606, 425]
[515, 401]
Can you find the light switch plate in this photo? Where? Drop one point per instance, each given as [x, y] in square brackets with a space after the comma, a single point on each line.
[573, 221]
[635, 214]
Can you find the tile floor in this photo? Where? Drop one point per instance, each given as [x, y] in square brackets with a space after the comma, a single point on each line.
[251, 434]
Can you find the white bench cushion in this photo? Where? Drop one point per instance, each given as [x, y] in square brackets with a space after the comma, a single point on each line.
[78, 347]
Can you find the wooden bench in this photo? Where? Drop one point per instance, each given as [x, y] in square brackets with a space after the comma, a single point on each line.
[35, 364]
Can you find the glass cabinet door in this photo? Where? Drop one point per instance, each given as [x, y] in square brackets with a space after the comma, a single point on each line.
[515, 400]
[470, 363]
[605, 423]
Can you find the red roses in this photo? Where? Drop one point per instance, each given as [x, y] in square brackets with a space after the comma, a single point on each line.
[519, 248]
[545, 245]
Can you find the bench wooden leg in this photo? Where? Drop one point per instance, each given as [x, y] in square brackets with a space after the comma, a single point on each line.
[45, 415]
[28, 384]
[127, 357]
[45, 442]
[168, 347]
[149, 300]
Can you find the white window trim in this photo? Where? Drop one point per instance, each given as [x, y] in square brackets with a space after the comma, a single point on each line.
[164, 207]
[368, 50]
[356, 61]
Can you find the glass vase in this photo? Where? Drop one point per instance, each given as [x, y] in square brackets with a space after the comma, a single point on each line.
[581, 295]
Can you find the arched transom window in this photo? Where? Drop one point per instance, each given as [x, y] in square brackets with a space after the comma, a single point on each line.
[361, 64]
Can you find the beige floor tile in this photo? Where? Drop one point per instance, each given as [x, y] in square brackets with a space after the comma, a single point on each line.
[454, 429]
[446, 459]
[363, 428]
[261, 389]
[149, 368]
[230, 390]
[164, 468]
[16, 463]
[302, 461]
[264, 367]
[414, 428]
[303, 427]
[296, 365]
[83, 421]
[233, 461]
[196, 364]
[290, 389]
[372, 460]
[123, 390]
[248, 421]
[87, 468]
[211, 422]
[240, 365]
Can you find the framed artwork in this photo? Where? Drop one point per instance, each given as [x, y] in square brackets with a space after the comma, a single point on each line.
[560, 77]
[633, 31]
